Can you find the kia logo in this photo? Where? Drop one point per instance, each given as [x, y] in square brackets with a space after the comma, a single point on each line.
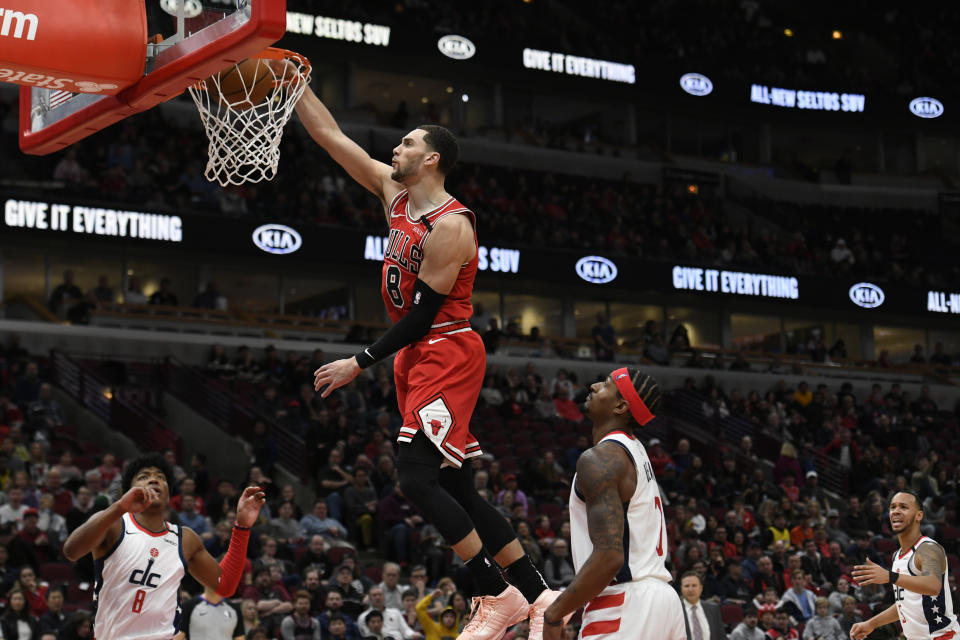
[696, 84]
[276, 238]
[456, 47]
[596, 269]
[866, 295]
[926, 107]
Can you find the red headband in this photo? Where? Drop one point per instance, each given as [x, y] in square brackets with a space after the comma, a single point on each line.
[639, 411]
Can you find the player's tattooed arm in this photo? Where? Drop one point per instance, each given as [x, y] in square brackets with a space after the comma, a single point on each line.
[931, 563]
[599, 471]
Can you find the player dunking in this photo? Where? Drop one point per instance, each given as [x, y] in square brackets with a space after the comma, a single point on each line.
[922, 601]
[428, 272]
[617, 531]
[140, 558]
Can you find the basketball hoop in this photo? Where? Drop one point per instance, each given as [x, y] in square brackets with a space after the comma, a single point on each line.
[245, 130]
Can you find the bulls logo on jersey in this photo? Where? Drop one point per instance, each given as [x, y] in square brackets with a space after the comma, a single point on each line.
[436, 425]
[403, 250]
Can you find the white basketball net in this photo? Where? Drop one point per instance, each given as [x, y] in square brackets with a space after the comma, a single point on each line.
[245, 137]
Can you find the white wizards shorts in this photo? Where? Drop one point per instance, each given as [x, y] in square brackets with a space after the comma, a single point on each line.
[646, 609]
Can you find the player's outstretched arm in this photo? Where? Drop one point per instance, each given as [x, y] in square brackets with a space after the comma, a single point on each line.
[931, 561]
[450, 245]
[99, 533]
[863, 629]
[598, 478]
[373, 175]
[225, 576]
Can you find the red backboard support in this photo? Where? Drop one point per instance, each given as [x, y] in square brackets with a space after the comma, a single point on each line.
[202, 54]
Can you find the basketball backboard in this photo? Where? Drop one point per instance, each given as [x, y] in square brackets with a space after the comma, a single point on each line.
[187, 41]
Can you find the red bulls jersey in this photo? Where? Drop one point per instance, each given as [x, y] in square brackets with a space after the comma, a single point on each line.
[404, 253]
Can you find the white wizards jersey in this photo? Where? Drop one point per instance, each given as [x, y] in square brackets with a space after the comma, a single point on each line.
[644, 529]
[923, 617]
[138, 584]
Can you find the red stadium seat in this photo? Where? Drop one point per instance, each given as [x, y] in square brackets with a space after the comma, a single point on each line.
[374, 572]
[56, 572]
[78, 596]
[885, 545]
[336, 554]
[865, 611]
[732, 614]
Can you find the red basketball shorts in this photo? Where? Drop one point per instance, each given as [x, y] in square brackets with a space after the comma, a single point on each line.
[438, 382]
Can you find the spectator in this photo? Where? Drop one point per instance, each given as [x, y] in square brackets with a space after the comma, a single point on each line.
[917, 357]
[491, 337]
[14, 509]
[747, 629]
[284, 527]
[39, 542]
[35, 592]
[604, 339]
[798, 600]
[840, 255]
[333, 483]
[361, 506]
[850, 615]
[332, 615]
[133, 294]
[350, 589]
[164, 296]
[480, 318]
[26, 388]
[65, 295]
[82, 509]
[54, 619]
[445, 627]
[394, 624]
[272, 602]
[782, 628]
[320, 523]
[702, 618]
[567, 408]
[299, 624]
[659, 458]
[103, 292]
[70, 473]
[17, 621]
[47, 411]
[399, 519]
[823, 626]
[733, 588]
[108, 468]
[392, 589]
[558, 566]
[190, 517]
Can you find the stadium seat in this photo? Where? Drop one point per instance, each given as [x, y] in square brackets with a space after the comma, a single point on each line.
[885, 545]
[865, 611]
[77, 595]
[374, 572]
[336, 555]
[732, 614]
[56, 572]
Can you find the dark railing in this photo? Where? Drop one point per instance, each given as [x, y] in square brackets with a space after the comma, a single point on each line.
[95, 393]
[231, 412]
[731, 430]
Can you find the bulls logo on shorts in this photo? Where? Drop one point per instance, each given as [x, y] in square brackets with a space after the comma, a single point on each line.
[436, 420]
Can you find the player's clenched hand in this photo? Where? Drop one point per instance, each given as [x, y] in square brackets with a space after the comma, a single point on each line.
[334, 375]
[248, 509]
[858, 631]
[870, 573]
[138, 499]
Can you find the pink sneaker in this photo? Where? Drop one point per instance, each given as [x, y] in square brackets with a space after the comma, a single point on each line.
[537, 610]
[492, 615]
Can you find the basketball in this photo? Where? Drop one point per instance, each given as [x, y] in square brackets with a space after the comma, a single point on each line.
[244, 85]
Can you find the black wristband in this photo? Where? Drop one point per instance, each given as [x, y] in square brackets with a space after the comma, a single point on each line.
[236, 526]
[894, 576]
[408, 329]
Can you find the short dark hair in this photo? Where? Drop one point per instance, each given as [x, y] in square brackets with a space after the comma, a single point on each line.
[147, 460]
[916, 496]
[337, 617]
[441, 140]
[374, 614]
[691, 574]
[647, 388]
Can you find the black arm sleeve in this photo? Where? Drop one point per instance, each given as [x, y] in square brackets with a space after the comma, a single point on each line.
[186, 610]
[410, 328]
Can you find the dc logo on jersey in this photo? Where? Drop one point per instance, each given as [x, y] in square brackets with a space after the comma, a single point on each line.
[144, 577]
[154, 552]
